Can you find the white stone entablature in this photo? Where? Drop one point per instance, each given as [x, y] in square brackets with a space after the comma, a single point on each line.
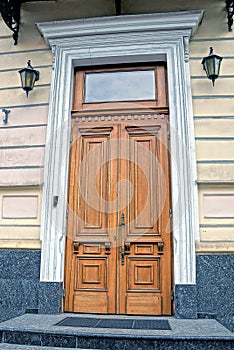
[122, 39]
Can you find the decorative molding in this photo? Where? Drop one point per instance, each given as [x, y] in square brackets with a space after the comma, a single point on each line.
[93, 118]
[115, 40]
[20, 207]
[53, 50]
[186, 49]
[186, 21]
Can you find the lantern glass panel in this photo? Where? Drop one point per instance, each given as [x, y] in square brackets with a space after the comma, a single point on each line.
[30, 80]
[210, 67]
[23, 78]
[217, 65]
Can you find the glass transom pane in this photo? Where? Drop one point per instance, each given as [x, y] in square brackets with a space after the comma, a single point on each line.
[119, 86]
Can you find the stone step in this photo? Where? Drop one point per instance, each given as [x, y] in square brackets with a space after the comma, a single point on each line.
[45, 332]
[5, 346]
[110, 342]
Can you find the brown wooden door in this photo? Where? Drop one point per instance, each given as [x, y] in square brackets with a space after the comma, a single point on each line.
[118, 257]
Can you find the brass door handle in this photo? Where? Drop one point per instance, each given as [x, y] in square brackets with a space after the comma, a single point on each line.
[124, 246]
[122, 254]
[122, 250]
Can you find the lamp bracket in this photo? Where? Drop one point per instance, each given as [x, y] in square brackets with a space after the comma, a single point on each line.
[10, 11]
[230, 12]
[5, 118]
[118, 7]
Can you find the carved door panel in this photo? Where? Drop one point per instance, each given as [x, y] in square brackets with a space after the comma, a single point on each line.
[118, 257]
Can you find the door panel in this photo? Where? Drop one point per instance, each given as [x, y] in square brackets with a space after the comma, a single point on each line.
[90, 261]
[118, 257]
[146, 278]
[93, 195]
[143, 176]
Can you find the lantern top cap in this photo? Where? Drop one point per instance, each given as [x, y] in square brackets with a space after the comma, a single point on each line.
[29, 67]
[29, 64]
[211, 55]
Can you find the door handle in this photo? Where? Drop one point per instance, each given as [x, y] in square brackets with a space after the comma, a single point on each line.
[122, 249]
[124, 246]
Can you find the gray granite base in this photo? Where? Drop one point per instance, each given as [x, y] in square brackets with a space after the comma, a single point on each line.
[117, 342]
[186, 301]
[20, 288]
[215, 287]
[19, 282]
[50, 298]
[21, 291]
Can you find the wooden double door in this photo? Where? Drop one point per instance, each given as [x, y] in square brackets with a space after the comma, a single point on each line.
[118, 255]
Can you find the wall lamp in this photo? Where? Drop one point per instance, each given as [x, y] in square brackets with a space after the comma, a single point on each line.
[28, 77]
[211, 64]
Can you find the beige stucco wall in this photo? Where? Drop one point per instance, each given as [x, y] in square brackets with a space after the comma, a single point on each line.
[22, 140]
[20, 217]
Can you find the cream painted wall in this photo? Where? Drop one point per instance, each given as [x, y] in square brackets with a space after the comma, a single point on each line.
[22, 140]
[20, 217]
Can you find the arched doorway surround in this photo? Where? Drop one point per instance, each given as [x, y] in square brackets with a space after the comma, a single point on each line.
[114, 40]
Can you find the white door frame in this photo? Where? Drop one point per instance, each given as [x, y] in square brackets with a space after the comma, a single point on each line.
[122, 39]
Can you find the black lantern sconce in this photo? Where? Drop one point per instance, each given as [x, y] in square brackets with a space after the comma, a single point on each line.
[211, 64]
[28, 77]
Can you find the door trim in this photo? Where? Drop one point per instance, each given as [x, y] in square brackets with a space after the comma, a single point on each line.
[154, 37]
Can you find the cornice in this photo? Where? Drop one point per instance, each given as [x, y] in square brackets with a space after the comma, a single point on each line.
[169, 21]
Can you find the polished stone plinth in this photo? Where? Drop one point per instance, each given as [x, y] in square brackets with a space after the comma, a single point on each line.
[215, 288]
[186, 301]
[50, 297]
[19, 282]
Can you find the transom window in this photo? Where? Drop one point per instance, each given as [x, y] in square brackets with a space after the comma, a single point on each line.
[120, 86]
